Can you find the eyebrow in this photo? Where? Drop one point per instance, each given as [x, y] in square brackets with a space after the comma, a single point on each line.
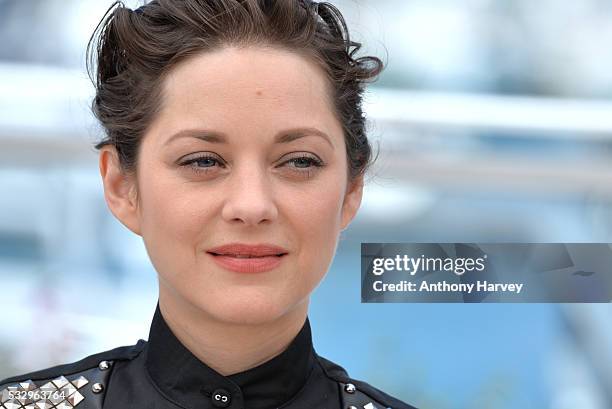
[285, 136]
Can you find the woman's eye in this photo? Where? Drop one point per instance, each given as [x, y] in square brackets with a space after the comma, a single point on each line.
[201, 164]
[303, 165]
[305, 162]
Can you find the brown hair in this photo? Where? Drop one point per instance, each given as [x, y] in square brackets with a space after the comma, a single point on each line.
[134, 50]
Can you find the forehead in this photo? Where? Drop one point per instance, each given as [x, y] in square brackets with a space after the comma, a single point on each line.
[251, 85]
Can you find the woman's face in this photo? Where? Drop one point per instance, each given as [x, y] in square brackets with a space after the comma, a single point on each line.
[259, 120]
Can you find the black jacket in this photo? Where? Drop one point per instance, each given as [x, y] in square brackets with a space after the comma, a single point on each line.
[162, 374]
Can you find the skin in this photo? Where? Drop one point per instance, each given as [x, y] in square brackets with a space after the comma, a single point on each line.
[250, 192]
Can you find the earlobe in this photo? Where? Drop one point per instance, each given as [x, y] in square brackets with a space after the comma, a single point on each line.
[352, 202]
[120, 189]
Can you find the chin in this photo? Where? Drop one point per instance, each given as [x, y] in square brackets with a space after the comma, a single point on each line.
[245, 308]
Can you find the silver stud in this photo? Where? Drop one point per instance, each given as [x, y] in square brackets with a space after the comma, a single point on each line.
[68, 390]
[48, 388]
[80, 382]
[75, 398]
[6, 392]
[56, 398]
[28, 385]
[350, 388]
[369, 405]
[59, 382]
[97, 387]
[352, 407]
[104, 365]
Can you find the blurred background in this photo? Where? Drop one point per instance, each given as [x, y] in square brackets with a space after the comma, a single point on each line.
[493, 121]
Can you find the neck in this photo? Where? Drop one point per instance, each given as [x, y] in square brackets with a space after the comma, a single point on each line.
[229, 347]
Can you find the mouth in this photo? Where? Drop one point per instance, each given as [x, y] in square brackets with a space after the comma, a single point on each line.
[248, 263]
[246, 255]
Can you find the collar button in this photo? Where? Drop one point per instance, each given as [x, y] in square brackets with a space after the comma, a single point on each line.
[221, 398]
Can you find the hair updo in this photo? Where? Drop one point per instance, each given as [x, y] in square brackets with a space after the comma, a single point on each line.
[135, 50]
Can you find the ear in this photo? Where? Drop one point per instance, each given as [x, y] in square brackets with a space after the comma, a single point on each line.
[352, 201]
[120, 189]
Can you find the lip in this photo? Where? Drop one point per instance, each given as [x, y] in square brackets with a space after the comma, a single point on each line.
[254, 250]
[265, 257]
[248, 265]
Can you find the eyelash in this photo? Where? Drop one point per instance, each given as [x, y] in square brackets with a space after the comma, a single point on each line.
[314, 162]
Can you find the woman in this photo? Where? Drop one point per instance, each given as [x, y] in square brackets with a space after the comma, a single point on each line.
[235, 147]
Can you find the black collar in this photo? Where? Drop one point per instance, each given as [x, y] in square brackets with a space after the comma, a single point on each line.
[192, 384]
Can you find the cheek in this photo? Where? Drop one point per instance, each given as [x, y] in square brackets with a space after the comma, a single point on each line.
[172, 218]
[167, 209]
[319, 213]
[316, 219]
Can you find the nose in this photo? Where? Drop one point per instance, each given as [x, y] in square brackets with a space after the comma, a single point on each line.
[250, 197]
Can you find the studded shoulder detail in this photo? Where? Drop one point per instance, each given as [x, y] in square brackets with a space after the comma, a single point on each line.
[357, 394]
[353, 398]
[83, 390]
[80, 384]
